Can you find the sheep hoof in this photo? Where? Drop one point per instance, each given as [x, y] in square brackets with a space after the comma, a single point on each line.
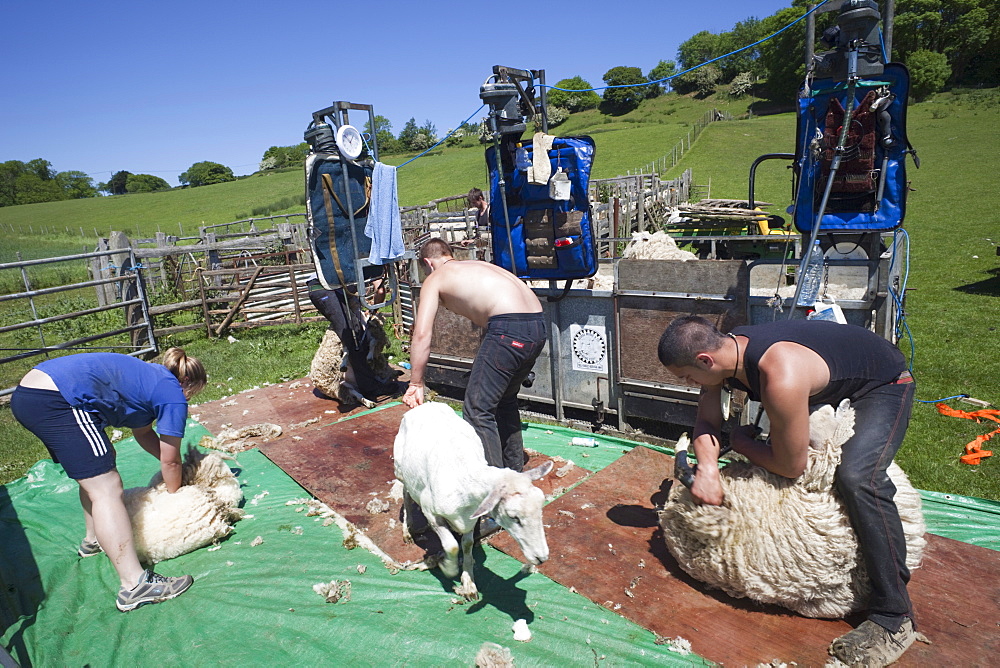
[468, 591]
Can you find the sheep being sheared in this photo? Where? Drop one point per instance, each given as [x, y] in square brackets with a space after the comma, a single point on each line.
[202, 511]
[331, 370]
[440, 461]
[783, 541]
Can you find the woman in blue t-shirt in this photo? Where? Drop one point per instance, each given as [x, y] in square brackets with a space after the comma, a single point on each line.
[68, 401]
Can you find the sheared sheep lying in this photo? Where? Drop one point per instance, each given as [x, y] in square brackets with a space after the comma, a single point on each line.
[783, 541]
[202, 511]
[440, 461]
[331, 370]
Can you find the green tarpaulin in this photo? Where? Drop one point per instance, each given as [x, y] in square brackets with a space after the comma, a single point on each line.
[253, 605]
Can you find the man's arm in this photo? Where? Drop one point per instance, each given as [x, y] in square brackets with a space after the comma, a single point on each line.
[165, 448]
[707, 487]
[420, 344]
[785, 389]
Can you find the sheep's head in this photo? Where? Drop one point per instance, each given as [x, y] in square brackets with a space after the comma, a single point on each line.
[517, 507]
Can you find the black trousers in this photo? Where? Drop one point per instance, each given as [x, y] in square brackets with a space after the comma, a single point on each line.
[344, 313]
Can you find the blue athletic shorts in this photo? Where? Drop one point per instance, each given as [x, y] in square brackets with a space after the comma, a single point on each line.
[73, 437]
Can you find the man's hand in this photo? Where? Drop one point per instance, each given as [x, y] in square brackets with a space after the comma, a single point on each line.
[414, 395]
[707, 487]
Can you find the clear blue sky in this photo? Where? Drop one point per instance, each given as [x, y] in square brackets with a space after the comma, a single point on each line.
[153, 87]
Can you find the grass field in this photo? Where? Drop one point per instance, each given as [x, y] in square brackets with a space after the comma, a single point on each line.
[952, 304]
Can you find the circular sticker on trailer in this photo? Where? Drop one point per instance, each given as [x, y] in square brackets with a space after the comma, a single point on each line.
[590, 348]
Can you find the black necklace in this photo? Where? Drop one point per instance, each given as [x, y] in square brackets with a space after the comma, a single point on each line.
[737, 367]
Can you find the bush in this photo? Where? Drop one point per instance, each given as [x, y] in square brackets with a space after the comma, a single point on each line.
[741, 84]
[557, 115]
[928, 73]
[627, 98]
[570, 101]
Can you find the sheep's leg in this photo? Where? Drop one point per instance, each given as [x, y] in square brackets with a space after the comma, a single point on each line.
[467, 589]
[408, 515]
[449, 565]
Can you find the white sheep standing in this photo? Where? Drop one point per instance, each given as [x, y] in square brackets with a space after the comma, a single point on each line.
[783, 541]
[440, 461]
[202, 511]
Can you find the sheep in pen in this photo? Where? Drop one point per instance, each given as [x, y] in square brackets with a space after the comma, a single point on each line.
[783, 541]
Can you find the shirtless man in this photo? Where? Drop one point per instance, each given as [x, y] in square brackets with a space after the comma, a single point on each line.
[788, 366]
[495, 299]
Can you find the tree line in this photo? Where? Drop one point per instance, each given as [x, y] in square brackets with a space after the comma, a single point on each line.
[942, 42]
[36, 181]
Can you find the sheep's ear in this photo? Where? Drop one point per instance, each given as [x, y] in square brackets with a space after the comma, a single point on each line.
[539, 472]
[489, 503]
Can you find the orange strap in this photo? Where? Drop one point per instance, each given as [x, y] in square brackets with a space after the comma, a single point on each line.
[974, 453]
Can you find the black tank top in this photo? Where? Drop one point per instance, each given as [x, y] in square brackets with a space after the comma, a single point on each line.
[859, 360]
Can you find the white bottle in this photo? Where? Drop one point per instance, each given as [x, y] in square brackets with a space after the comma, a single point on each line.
[810, 276]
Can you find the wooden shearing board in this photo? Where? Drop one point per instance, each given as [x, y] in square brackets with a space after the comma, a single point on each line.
[608, 546]
[611, 550]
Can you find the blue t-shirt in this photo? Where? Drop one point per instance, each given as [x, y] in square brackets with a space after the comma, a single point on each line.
[126, 391]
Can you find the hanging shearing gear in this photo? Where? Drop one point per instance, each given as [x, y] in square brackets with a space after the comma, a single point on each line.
[868, 191]
[540, 218]
[545, 231]
[339, 173]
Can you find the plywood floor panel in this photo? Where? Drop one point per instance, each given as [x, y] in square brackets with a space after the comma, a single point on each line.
[609, 547]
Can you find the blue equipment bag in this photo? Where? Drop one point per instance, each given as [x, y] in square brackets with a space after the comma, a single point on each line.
[869, 191]
[335, 248]
[547, 238]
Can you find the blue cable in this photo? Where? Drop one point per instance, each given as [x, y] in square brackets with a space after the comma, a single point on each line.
[900, 313]
[691, 69]
[648, 83]
[937, 401]
[881, 44]
[445, 137]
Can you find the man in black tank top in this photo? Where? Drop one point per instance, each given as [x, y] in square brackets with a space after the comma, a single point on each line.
[788, 366]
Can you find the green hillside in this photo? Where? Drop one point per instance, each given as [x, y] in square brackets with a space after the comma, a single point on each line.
[624, 143]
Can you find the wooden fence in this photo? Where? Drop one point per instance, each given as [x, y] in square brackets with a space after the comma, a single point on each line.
[253, 272]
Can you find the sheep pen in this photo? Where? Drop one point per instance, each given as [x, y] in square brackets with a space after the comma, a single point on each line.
[783, 541]
[201, 512]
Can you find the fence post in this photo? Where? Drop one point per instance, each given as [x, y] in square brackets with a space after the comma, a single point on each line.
[162, 242]
[204, 303]
[98, 265]
[641, 223]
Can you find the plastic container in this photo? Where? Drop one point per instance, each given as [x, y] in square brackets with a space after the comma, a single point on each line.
[521, 159]
[811, 276]
[584, 441]
[559, 185]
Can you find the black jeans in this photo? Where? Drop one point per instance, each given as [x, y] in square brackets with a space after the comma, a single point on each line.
[509, 350]
[880, 420]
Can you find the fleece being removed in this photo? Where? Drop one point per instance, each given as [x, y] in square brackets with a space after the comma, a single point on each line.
[782, 541]
[202, 511]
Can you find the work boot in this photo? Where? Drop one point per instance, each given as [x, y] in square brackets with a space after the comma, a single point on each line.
[152, 588]
[873, 646]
